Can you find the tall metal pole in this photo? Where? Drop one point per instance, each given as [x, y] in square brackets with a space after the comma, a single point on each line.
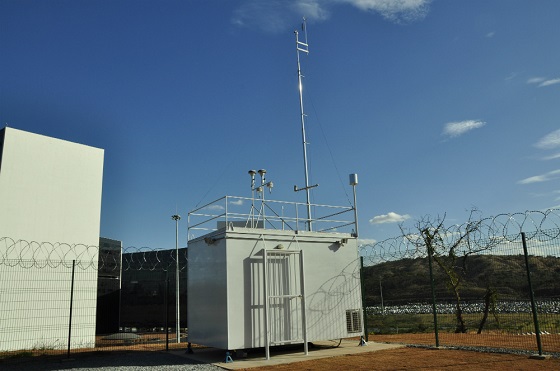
[177, 217]
[252, 175]
[434, 307]
[364, 309]
[166, 295]
[381, 293]
[71, 305]
[303, 47]
[354, 183]
[266, 306]
[532, 295]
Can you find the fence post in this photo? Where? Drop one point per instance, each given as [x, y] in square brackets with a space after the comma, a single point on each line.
[167, 310]
[71, 302]
[531, 293]
[434, 308]
[364, 314]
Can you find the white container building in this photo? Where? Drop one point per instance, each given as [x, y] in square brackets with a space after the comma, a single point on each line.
[266, 278]
[271, 276]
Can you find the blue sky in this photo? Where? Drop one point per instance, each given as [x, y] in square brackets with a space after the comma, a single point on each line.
[439, 106]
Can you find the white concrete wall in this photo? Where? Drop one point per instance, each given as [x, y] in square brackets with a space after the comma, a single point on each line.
[50, 189]
[50, 201]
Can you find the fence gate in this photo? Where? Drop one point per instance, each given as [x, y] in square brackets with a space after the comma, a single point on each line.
[284, 298]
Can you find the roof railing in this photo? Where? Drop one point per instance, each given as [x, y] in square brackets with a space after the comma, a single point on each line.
[232, 211]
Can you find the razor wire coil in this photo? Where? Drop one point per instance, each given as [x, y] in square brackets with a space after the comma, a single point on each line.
[486, 234]
[32, 254]
[500, 229]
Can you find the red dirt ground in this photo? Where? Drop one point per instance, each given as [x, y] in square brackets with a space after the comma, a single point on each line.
[440, 359]
[421, 359]
[414, 358]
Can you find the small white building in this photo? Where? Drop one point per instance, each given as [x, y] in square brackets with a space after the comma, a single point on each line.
[271, 276]
[50, 207]
[267, 278]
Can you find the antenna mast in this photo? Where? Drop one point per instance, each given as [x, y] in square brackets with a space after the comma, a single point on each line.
[304, 48]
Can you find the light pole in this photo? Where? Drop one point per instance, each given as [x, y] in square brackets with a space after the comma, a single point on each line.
[177, 217]
[354, 183]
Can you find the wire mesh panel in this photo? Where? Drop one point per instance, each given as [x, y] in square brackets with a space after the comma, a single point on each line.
[481, 299]
[493, 300]
[35, 307]
[543, 265]
[54, 306]
[284, 297]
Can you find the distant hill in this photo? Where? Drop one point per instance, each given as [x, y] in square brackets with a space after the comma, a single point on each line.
[407, 280]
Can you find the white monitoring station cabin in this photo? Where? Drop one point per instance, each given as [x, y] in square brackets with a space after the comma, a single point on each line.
[273, 273]
[267, 278]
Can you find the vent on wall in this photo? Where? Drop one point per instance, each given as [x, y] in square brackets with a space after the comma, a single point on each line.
[353, 320]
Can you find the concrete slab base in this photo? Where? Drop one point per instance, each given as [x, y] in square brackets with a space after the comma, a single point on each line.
[282, 355]
[539, 356]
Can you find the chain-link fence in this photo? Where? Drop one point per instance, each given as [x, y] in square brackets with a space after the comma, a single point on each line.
[485, 288]
[474, 285]
[100, 300]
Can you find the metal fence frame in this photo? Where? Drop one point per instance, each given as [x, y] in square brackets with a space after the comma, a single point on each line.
[541, 237]
[537, 227]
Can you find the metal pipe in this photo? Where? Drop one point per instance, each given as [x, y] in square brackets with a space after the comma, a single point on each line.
[167, 310]
[177, 217]
[303, 308]
[364, 308]
[355, 210]
[71, 304]
[304, 140]
[354, 183]
[532, 294]
[434, 308]
[266, 304]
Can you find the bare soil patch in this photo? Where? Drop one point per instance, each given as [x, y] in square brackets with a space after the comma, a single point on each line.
[422, 359]
[550, 342]
[409, 358]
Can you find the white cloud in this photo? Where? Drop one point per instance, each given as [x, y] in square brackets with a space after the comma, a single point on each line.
[549, 141]
[311, 9]
[454, 129]
[270, 16]
[278, 15]
[549, 82]
[391, 217]
[215, 207]
[543, 81]
[535, 80]
[366, 241]
[490, 34]
[237, 202]
[551, 157]
[393, 10]
[540, 178]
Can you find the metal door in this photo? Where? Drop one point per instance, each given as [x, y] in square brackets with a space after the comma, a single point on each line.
[284, 292]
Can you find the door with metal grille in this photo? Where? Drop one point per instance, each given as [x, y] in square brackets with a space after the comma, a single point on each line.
[284, 298]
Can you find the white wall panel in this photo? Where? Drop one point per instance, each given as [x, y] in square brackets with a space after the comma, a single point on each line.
[50, 196]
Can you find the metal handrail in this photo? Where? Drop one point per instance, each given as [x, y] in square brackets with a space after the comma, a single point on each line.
[201, 218]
